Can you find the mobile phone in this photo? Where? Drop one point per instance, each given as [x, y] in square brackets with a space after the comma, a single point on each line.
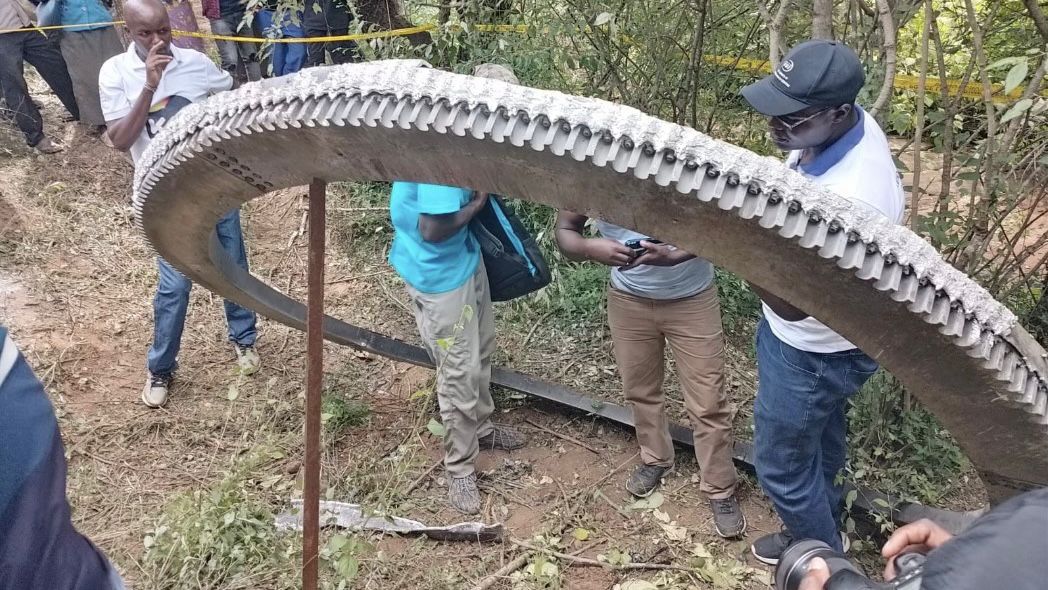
[639, 250]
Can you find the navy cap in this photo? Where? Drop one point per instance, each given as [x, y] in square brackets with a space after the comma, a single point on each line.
[813, 74]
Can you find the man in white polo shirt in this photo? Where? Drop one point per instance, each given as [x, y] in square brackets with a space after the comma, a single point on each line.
[140, 90]
[807, 371]
[661, 295]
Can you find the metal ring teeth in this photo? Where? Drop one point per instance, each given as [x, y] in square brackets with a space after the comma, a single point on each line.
[603, 148]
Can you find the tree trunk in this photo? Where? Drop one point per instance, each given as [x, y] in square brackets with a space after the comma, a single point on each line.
[884, 13]
[822, 19]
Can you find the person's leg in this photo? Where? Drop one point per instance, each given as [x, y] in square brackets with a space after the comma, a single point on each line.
[850, 370]
[794, 403]
[169, 317]
[294, 53]
[338, 19]
[247, 51]
[47, 59]
[14, 90]
[240, 320]
[314, 23]
[227, 50]
[486, 347]
[639, 347]
[274, 60]
[693, 330]
[452, 337]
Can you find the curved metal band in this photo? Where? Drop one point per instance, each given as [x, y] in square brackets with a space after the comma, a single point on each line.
[879, 285]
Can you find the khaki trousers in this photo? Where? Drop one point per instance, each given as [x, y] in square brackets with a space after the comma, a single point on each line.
[640, 329]
[458, 330]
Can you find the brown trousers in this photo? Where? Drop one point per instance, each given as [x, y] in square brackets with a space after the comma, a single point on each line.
[640, 329]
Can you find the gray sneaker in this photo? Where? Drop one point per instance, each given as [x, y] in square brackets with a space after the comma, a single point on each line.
[728, 517]
[501, 437]
[154, 394]
[248, 362]
[645, 479]
[464, 495]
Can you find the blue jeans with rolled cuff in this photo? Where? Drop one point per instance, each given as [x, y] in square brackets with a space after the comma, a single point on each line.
[172, 301]
[800, 443]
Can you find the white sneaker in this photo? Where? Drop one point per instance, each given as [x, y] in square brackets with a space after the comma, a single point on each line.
[247, 359]
[154, 394]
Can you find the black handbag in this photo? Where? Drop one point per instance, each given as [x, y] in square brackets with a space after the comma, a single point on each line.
[514, 263]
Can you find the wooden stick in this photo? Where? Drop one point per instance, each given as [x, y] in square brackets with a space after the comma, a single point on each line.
[415, 483]
[505, 570]
[594, 562]
[563, 436]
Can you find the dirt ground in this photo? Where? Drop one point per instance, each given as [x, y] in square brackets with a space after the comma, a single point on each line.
[76, 281]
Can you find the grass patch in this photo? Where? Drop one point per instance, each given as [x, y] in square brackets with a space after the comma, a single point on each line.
[339, 414]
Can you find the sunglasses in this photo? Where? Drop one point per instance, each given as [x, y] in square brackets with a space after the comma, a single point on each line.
[791, 124]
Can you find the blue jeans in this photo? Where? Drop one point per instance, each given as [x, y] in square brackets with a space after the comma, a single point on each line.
[172, 301]
[800, 441]
[287, 58]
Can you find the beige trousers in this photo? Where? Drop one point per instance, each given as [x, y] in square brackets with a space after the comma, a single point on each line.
[458, 330]
[640, 329]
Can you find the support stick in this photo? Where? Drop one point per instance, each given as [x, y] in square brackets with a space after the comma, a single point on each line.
[314, 383]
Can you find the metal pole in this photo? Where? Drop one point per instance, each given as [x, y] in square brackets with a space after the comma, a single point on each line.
[314, 383]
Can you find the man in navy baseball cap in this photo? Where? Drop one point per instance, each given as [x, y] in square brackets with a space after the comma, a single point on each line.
[814, 74]
[807, 371]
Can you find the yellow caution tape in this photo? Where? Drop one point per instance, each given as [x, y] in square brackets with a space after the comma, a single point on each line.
[972, 90]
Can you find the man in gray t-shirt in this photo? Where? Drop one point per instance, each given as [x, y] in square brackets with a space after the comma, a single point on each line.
[661, 295]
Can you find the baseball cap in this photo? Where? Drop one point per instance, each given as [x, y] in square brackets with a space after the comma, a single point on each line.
[815, 73]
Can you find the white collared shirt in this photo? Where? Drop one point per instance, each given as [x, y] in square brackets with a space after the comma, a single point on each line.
[858, 167]
[190, 77]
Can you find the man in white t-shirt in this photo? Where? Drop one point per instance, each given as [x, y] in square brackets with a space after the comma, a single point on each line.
[807, 371]
[661, 295]
[140, 90]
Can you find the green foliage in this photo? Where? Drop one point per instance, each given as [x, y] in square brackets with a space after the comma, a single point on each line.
[221, 538]
[902, 452]
[740, 306]
[339, 413]
[343, 554]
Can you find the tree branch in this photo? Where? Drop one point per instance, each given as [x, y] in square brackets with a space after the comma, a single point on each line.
[884, 13]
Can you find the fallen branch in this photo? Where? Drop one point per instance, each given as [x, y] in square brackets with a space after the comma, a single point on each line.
[411, 487]
[593, 562]
[505, 570]
[570, 439]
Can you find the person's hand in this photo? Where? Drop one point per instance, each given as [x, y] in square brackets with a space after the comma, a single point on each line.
[659, 255]
[156, 61]
[608, 252]
[921, 537]
[817, 576]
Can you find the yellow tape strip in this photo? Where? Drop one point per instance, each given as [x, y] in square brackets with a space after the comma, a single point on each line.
[973, 90]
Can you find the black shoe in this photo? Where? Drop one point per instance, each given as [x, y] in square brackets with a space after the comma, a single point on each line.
[645, 479]
[728, 517]
[769, 548]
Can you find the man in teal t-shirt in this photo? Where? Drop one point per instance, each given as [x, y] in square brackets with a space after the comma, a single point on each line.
[438, 257]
